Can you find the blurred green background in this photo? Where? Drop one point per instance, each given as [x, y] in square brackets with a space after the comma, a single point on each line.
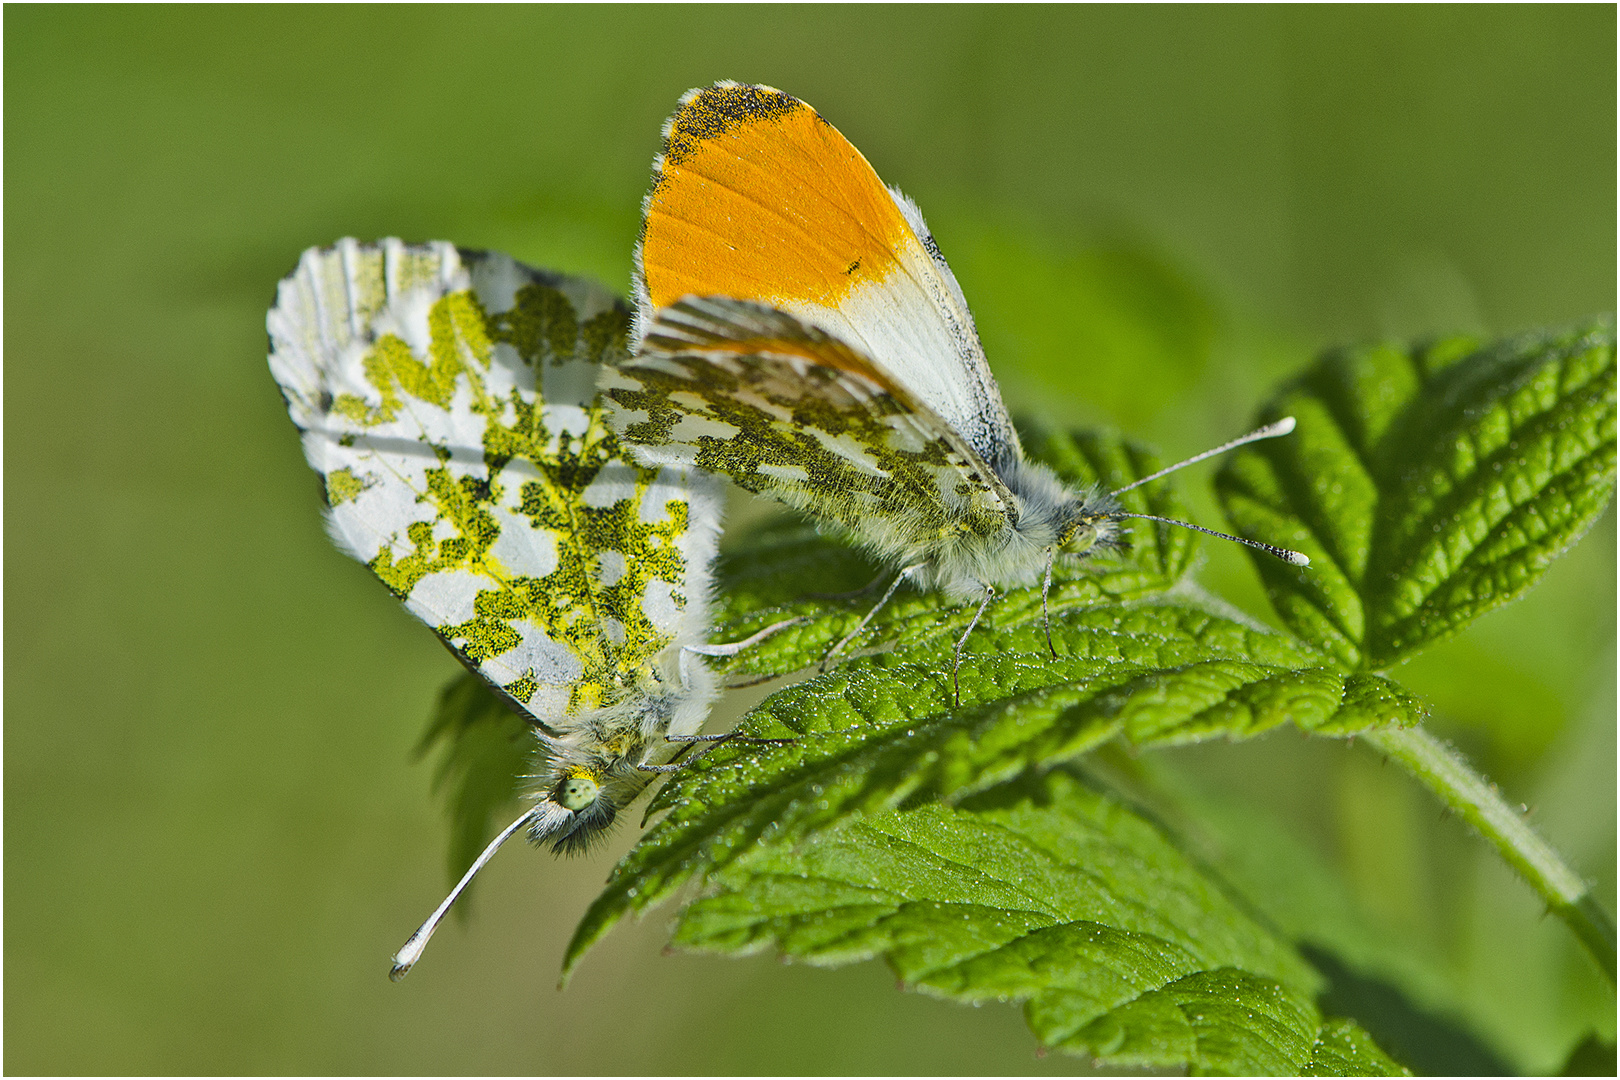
[216, 833]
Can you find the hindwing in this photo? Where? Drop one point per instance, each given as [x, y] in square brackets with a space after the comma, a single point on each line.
[783, 408]
[448, 401]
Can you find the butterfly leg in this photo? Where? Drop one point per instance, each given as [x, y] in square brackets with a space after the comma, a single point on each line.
[1046, 614]
[956, 671]
[724, 736]
[732, 648]
[677, 766]
[713, 741]
[853, 634]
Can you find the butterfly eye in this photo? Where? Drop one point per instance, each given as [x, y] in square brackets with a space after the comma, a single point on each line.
[1077, 537]
[576, 793]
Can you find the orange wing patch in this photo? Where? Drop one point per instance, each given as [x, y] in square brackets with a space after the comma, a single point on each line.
[758, 198]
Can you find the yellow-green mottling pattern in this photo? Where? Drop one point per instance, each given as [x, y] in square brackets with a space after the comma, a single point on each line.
[451, 410]
[817, 435]
[342, 485]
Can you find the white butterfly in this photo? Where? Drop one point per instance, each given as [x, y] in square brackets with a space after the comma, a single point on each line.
[448, 400]
[799, 332]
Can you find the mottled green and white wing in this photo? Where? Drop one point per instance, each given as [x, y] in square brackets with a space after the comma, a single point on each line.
[448, 400]
[785, 409]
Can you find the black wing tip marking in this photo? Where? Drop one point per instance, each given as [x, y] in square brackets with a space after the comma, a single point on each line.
[709, 112]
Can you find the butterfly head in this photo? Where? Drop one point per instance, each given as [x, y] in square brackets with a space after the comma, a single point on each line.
[1090, 524]
[577, 809]
[577, 791]
[1055, 517]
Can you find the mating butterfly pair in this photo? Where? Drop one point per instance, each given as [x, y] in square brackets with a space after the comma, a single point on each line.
[531, 467]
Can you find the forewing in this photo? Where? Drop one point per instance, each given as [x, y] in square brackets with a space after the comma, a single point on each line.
[756, 197]
[784, 409]
[448, 402]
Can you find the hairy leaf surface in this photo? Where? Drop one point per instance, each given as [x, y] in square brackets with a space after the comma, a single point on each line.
[1428, 485]
[1389, 977]
[1046, 892]
[886, 730]
[1344, 1049]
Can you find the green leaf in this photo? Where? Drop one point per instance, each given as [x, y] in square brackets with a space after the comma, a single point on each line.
[486, 750]
[1390, 979]
[1343, 1049]
[886, 729]
[786, 571]
[1045, 892]
[1428, 485]
[774, 575]
[1278, 874]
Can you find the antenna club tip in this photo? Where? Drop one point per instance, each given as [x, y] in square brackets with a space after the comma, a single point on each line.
[405, 959]
[1296, 558]
[1281, 427]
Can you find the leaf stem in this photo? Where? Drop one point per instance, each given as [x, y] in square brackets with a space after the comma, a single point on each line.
[1443, 771]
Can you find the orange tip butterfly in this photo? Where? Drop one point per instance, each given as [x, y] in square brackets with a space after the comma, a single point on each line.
[798, 331]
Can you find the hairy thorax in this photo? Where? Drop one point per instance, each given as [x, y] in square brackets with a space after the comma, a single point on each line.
[1047, 519]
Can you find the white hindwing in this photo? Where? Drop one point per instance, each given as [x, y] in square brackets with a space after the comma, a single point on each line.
[497, 505]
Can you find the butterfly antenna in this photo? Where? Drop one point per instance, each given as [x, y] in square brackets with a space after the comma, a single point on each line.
[1046, 613]
[1270, 431]
[411, 952]
[1292, 557]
